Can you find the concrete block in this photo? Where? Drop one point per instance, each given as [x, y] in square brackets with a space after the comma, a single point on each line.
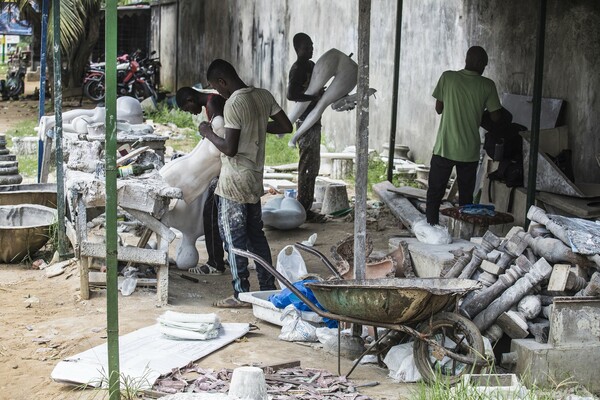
[26, 145]
[494, 256]
[429, 260]
[491, 268]
[545, 365]
[575, 321]
[559, 277]
[494, 386]
[513, 325]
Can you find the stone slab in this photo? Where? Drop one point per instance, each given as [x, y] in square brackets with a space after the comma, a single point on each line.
[546, 365]
[412, 192]
[429, 260]
[579, 207]
[559, 277]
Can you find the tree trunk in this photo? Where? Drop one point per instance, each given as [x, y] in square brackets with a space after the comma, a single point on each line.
[79, 56]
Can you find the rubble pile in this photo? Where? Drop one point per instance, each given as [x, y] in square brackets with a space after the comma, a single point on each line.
[283, 384]
[523, 273]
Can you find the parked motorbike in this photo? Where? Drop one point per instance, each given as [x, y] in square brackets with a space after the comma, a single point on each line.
[134, 78]
[14, 85]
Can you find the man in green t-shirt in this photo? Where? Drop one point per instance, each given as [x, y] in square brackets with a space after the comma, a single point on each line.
[461, 98]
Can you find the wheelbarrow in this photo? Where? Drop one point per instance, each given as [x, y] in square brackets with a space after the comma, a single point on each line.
[447, 345]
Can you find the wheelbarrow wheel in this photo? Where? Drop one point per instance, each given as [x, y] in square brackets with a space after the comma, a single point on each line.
[456, 334]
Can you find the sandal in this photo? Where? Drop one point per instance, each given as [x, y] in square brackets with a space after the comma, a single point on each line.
[205, 269]
[231, 302]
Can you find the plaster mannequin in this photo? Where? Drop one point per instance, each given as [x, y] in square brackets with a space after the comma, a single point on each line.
[283, 213]
[192, 174]
[332, 64]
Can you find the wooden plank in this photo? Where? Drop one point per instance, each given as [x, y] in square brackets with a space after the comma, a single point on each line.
[399, 205]
[410, 192]
[134, 254]
[99, 279]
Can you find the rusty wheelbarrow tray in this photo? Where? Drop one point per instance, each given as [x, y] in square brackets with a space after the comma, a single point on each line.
[394, 303]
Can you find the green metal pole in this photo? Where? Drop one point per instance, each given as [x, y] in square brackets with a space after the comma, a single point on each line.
[112, 301]
[390, 169]
[58, 128]
[536, 108]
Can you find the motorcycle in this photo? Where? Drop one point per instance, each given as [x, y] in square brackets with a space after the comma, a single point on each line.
[133, 78]
[14, 85]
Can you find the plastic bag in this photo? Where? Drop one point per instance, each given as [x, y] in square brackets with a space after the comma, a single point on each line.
[295, 329]
[128, 285]
[430, 234]
[284, 298]
[291, 265]
[401, 363]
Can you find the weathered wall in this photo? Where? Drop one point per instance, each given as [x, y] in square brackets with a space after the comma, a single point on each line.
[256, 36]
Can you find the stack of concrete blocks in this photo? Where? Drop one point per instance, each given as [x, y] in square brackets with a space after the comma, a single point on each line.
[9, 166]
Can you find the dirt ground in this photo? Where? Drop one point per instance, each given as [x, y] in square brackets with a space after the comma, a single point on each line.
[44, 320]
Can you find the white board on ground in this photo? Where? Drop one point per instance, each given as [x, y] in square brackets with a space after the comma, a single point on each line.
[144, 355]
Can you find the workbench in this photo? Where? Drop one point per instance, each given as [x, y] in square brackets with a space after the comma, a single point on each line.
[146, 199]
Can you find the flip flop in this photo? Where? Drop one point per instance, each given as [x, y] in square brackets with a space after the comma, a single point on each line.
[205, 269]
[231, 302]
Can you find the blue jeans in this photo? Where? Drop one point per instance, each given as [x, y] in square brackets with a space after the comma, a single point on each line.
[241, 227]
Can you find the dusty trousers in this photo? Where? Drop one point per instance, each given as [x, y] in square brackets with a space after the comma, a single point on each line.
[308, 165]
[241, 227]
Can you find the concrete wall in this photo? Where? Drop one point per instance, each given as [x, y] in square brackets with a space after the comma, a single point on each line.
[256, 36]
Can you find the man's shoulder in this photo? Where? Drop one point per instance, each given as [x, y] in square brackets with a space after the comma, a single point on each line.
[302, 65]
[250, 94]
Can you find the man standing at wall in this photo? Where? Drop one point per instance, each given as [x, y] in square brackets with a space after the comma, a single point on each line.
[247, 112]
[461, 98]
[310, 143]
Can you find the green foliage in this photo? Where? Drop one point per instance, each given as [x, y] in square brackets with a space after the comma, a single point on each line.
[182, 119]
[377, 172]
[165, 115]
[277, 151]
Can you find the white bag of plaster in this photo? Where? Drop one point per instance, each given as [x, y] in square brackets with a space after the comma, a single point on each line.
[431, 234]
[294, 328]
[291, 265]
[401, 363]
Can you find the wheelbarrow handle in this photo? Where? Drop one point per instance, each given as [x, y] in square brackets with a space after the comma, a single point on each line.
[322, 257]
[281, 279]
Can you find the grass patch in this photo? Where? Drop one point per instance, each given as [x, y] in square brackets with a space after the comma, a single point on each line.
[23, 128]
[277, 151]
[189, 137]
[377, 172]
[28, 163]
[166, 115]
